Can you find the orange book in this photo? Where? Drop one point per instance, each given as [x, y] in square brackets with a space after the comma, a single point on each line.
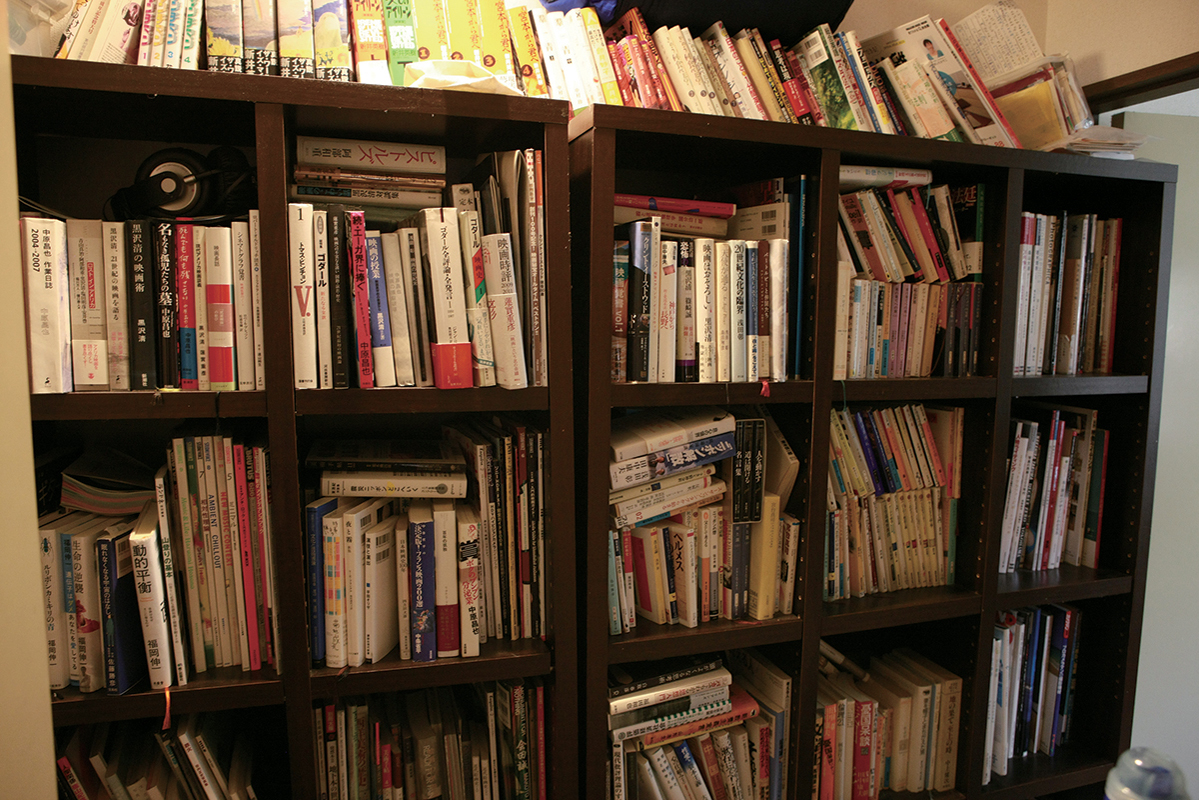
[432, 34]
[632, 23]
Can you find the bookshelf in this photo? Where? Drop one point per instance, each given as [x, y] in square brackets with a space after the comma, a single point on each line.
[131, 112]
[658, 153]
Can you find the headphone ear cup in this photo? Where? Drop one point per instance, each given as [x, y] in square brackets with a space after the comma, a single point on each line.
[186, 164]
[234, 190]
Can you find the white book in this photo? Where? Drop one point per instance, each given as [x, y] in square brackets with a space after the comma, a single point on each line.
[324, 320]
[665, 284]
[44, 246]
[303, 307]
[724, 311]
[992, 707]
[655, 297]
[201, 278]
[681, 37]
[371, 155]
[403, 621]
[668, 778]
[58, 637]
[753, 339]
[355, 523]
[551, 61]
[243, 304]
[397, 307]
[418, 323]
[1028, 225]
[335, 617]
[256, 300]
[738, 311]
[574, 28]
[151, 597]
[705, 308]
[441, 246]
[728, 61]
[88, 287]
[778, 252]
[506, 331]
[172, 53]
[382, 601]
[390, 483]
[740, 741]
[445, 560]
[146, 35]
[158, 39]
[470, 580]
[382, 352]
[922, 721]
[891, 696]
[116, 305]
[91, 22]
[167, 549]
[949, 701]
[688, 93]
[474, 280]
[686, 580]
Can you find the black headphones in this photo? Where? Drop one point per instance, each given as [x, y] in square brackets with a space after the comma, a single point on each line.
[178, 182]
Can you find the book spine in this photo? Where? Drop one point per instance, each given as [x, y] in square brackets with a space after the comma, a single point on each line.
[382, 355]
[88, 618]
[422, 573]
[243, 305]
[222, 363]
[152, 606]
[470, 585]
[247, 594]
[445, 559]
[303, 305]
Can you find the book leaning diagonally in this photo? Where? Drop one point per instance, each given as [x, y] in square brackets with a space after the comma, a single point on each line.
[507, 337]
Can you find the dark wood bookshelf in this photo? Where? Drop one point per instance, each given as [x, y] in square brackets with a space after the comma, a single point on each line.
[145, 109]
[652, 152]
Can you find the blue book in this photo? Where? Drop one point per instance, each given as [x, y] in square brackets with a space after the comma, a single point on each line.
[68, 599]
[124, 651]
[614, 619]
[643, 469]
[314, 515]
[422, 574]
[886, 461]
[860, 80]
[376, 290]
[881, 485]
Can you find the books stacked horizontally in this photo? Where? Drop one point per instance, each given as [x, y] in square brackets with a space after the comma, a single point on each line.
[702, 290]
[908, 304]
[698, 530]
[894, 485]
[143, 304]
[452, 298]
[1034, 666]
[199, 756]
[433, 547]
[184, 586]
[1069, 281]
[486, 740]
[894, 728]
[720, 731]
[1057, 471]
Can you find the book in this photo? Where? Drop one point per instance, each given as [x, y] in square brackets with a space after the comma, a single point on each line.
[507, 331]
[393, 483]
[151, 594]
[373, 155]
[44, 248]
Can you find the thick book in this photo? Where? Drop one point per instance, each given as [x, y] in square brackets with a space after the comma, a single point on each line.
[442, 253]
[507, 328]
[152, 600]
[303, 295]
[644, 469]
[44, 247]
[629, 678]
[422, 581]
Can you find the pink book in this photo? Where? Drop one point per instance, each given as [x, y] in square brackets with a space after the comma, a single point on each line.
[218, 268]
[247, 555]
[356, 225]
[677, 205]
[926, 232]
[262, 513]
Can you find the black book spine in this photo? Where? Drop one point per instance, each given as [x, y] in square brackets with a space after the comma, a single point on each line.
[338, 294]
[639, 236]
[759, 466]
[533, 470]
[976, 321]
[697, 668]
[143, 357]
[166, 300]
[951, 329]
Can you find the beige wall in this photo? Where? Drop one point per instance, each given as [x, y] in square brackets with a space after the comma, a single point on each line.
[869, 17]
[26, 736]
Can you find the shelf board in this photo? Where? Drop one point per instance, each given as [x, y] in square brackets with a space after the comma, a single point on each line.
[214, 690]
[917, 388]
[650, 641]
[162, 404]
[1065, 385]
[1064, 584]
[672, 394]
[1040, 774]
[904, 607]
[415, 401]
[497, 659]
[952, 794]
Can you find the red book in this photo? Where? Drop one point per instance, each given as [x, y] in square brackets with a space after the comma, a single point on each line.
[356, 228]
[185, 288]
[926, 232]
[651, 94]
[859, 234]
[676, 205]
[621, 68]
[809, 97]
[828, 750]
[247, 554]
[791, 85]
[743, 708]
[863, 760]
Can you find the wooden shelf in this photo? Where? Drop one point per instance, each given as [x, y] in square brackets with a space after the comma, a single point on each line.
[1065, 584]
[897, 389]
[214, 690]
[904, 607]
[497, 660]
[1038, 775]
[163, 404]
[417, 401]
[691, 394]
[649, 641]
[1066, 385]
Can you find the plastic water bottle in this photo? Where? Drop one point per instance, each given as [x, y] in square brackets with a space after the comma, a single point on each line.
[1143, 773]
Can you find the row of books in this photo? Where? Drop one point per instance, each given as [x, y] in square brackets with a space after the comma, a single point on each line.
[894, 486]
[710, 726]
[894, 728]
[1034, 666]
[481, 741]
[433, 555]
[143, 304]
[1057, 475]
[454, 297]
[199, 757]
[1069, 281]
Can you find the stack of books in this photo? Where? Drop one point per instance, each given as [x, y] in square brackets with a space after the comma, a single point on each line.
[453, 297]
[1057, 471]
[488, 740]
[895, 727]
[894, 485]
[1069, 281]
[699, 531]
[433, 547]
[1034, 666]
[200, 755]
[716, 724]
[143, 304]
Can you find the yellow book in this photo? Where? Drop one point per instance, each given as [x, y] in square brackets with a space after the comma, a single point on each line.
[462, 25]
[599, 53]
[524, 45]
[495, 49]
[432, 36]
[764, 551]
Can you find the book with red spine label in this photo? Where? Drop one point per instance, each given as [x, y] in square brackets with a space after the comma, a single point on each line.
[360, 314]
[445, 558]
[218, 266]
[185, 283]
[703, 208]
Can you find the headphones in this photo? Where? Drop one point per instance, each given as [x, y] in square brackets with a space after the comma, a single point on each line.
[178, 182]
